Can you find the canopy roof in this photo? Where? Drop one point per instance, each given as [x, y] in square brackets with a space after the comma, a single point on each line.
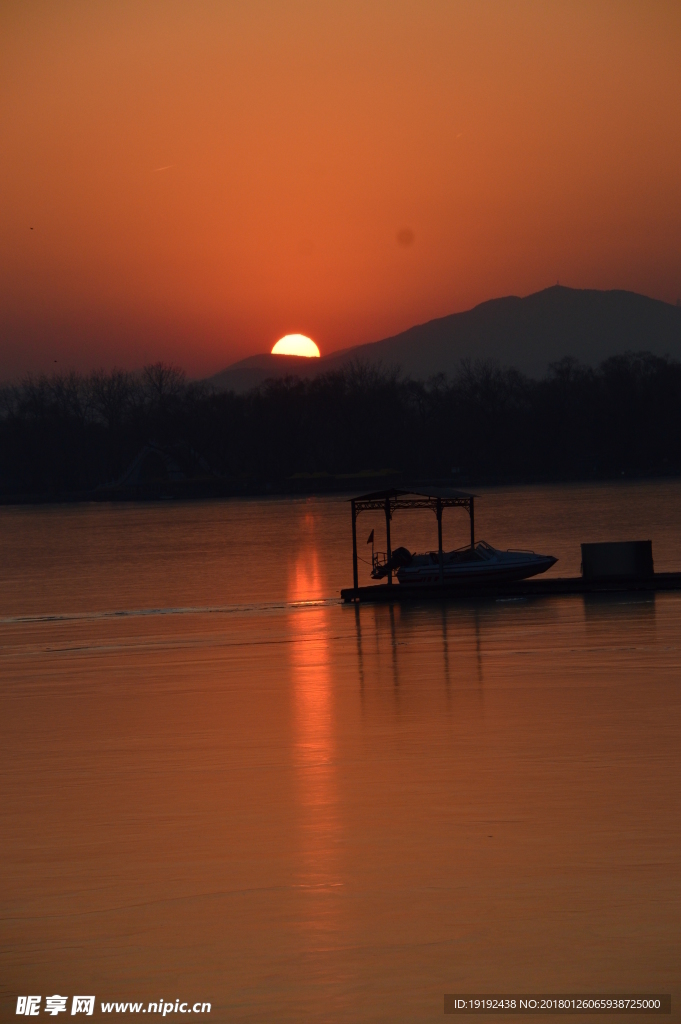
[432, 492]
[445, 497]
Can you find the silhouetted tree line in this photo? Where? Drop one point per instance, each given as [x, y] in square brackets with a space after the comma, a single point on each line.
[65, 434]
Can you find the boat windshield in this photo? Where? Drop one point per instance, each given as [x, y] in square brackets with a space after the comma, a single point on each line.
[482, 552]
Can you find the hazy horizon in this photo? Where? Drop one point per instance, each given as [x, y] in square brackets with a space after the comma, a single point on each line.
[60, 368]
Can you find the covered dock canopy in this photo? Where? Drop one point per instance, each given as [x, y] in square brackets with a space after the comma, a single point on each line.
[389, 501]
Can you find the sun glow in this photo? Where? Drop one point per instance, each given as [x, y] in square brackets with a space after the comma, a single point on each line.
[296, 345]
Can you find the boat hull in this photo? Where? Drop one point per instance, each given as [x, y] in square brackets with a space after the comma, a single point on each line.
[471, 574]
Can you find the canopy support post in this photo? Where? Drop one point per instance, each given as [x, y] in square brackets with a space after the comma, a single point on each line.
[354, 547]
[387, 532]
[438, 513]
[471, 512]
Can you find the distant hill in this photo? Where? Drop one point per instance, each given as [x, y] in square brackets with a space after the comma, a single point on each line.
[526, 333]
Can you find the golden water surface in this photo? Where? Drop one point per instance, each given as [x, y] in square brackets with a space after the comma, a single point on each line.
[220, 784]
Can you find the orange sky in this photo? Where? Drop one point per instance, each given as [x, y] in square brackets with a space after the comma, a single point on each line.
[303, 146]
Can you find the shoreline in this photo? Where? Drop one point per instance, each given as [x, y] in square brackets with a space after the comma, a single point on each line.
[303, 486]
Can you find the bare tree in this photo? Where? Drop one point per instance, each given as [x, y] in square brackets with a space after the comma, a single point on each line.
[163, 381]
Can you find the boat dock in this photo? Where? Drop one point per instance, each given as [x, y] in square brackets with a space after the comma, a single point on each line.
[553, 586]
[609, 568]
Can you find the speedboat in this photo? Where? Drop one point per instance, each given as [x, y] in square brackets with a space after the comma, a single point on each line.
[481, 564]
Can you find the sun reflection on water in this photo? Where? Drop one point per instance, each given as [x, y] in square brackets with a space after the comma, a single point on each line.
[314, 739]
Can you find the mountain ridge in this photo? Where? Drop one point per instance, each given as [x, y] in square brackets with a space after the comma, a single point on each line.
[527, 333]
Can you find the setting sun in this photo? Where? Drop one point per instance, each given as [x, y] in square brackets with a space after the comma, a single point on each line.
[296, 345]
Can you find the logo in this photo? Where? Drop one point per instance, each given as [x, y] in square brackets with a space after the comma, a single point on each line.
[83, 1004]
[29, 1005]
[55, 1004]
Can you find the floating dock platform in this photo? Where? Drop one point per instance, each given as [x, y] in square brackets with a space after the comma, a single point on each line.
[607, 568]
[552, 586]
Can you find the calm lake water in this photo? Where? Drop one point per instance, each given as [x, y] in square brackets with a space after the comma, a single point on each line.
[219, 784]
